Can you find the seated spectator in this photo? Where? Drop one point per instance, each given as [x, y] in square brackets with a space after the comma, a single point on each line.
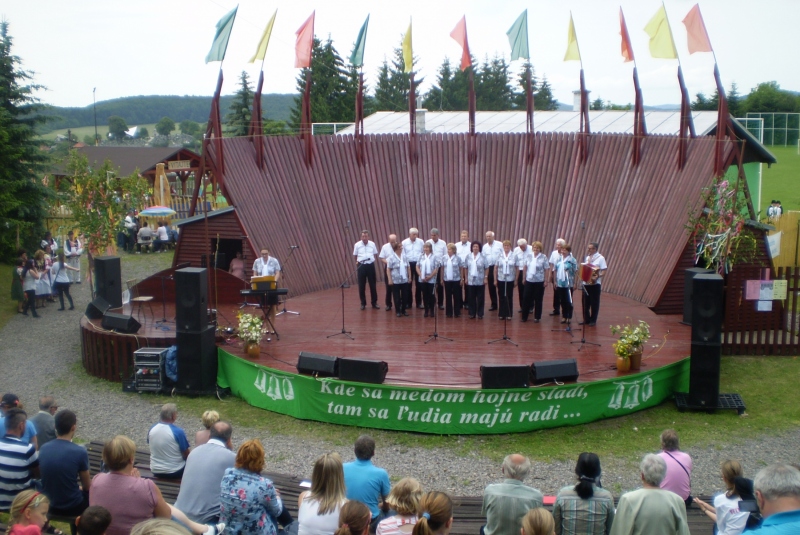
[366, 482]
[94, 521]
[651, 510]
[168, 445]
[159, 526]
[28, 513]
[778, 495]
[435, 515]
[209, 418]
[144, 237]
[43, 421]
[504, 504]
[20, 461]
[725, 511]
[62, 464]
[539, 521]
[205, 467]
[354, 519]
[679, 467]
[404, 500]
[318, 508]
[585, 508]
[11, 401]
[162, 237]
[130, 498]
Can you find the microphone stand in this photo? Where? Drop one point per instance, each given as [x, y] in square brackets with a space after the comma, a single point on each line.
[568, 329]
[284, 311]
[505, 337]
[344, 285]
[435, 335]
[583, 327]
[163, 302]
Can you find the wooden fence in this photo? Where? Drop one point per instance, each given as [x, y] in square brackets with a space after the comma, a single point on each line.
[788, 225]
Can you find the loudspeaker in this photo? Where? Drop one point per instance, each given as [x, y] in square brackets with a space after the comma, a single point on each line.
[108, 279]
[707, 293]
[548, 371]
[688, 288]
[317, 365]
[96, 309]
[120, 323]
[363, 371]
[494, 376]
[191, 299]
[704, 375]
[197, 360]
[220, 261]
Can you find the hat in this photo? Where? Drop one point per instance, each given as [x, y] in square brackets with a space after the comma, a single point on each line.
[10, 400]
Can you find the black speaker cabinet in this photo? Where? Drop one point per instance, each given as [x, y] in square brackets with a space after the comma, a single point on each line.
[191, 299]
[363, 371]
[317, 365]
[704, 375]
[707, 299]
[494, 376]
[108, 279]
[197, 361]
[688, 288]
[120, 323]
[548, 371]
[96, 309]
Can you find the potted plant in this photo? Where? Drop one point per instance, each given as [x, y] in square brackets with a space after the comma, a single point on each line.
[251, 330]
[630, 345]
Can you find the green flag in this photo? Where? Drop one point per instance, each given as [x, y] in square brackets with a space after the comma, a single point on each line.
[357, 57]
[518, 37]
[220, 45]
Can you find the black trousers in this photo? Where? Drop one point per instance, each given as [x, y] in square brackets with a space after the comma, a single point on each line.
[417, 290]
[591, 303]
[452, 298]
[366, 272]
[63, 288]
[565, 297]
[476, 297]
[556, 302]
[399, 292]
[492, 288]
[520, 287]
[439, 289]
[534, 296]
[505, 292]
[30, 303]
[427, 296]
[389, 292]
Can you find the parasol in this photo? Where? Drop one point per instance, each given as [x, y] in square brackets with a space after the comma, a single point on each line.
[158, 211]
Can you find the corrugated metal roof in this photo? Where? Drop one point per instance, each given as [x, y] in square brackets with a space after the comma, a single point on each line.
[200, 216]
[128, 159]
[636, 213]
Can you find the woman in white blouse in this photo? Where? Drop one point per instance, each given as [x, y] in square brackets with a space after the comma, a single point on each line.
[476, 274]
[505, 272]
[725, 511]
[426, 271]
[534, 274]
[398, 276]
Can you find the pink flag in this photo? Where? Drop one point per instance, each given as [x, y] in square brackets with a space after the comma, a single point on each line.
[304, 44]
[627, 49]
[696, 31]
[459, 33]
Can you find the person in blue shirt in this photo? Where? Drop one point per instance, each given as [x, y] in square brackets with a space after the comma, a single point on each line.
[778, 495]
[366, 482]
[11, 401]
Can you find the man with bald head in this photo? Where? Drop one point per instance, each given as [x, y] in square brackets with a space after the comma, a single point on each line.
[506, 503]
[386, 251]
[412, 247]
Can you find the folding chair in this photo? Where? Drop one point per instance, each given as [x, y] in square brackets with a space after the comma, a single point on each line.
[139, 300]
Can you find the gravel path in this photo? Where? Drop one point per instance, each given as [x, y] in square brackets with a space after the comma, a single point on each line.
[43, 356]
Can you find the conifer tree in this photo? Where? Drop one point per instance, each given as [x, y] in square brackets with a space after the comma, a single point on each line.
[237, 120]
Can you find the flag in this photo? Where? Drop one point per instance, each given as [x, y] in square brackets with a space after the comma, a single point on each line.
[518, 37]
[357, 57]
[220, 44]
[661, 42]
[573, 52]
[696, 31]
[408, 52]
[627, 49]
[261, 51]
[459, 34]
[304, 44]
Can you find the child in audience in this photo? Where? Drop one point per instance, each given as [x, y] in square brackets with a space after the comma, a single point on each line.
[93, 521]
[404, 498]
[538, 521]
[435, 515]
[28, 513]
[354, 519]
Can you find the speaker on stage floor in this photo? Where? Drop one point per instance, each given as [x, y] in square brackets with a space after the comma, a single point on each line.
[362, 370]
[122, 323]
[704, 374]
[688, 289]
[191, 299]
[707, 313]
[317, 365]
[549, 371]
[96, 309]
[108, 279]
[197, 361]
[495, 376]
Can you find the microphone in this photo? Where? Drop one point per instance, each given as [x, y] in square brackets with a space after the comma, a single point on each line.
[294, 247]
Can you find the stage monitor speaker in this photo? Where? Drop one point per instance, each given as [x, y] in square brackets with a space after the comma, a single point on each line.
[96, 309]
[317, 365]
[704, 375]
[197, 361]
[121, 323]
[707, 299]
[108, 279]
[495, 376]
[191, 299]
[688, 278]
[363, 371]
[550, 371]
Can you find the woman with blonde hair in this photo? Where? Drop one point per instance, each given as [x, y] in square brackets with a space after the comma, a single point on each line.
[404, 498]
[209, 418]
[159, 526]
[354, 519]
[435, 516]
[538, 521]
[318, 508]
[725, 511]
[28, 513]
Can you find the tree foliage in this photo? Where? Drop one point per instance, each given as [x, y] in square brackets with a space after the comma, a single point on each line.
[769, 97]
[143, 133]
[117, 127]
[391, 93]
[165, 126]
[190, 128]
[237, 121]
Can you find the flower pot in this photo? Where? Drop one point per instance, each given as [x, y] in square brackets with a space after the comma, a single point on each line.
[252, 349]
[623, 364]
[636, 358]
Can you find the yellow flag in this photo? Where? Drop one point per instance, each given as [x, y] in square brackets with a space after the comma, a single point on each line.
[261, 51]
[408, 52]
[573, 52]
[661, 42]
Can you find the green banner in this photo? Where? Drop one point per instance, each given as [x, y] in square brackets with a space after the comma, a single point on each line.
[447, 411]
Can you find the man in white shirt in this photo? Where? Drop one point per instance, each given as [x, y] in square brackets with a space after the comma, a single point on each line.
[439, 251]
[144, 237]
[522, 252]
[73, 251]
[268, 266]
[463, 248]
[130, 230]
[412, 247]
[365, 251]
[162, 237]
[491, 249]
[554, 257]
[591, 297]
[169, 447]
[386, 251]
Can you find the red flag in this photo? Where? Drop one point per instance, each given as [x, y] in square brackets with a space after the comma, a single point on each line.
[459, 33]
[304, 44]
[696, 31]
[627, 49]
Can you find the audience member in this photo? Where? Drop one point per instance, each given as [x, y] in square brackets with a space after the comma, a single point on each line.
[162, 237]
[19, 461]
[366, 482]
[404, 501]
[650, 510]
[679, 467]
[778, 494]
[43, 421]
[28, 513]
[144, 238]
[504, 504]
[94, 521]
[725, 511]
[435, 515]
[168, 445]
[209, 418]
[318, 508]
[11, 401]
[539, 521]
[586, 508]
[205, 467]
[159, 526]
[354, 519]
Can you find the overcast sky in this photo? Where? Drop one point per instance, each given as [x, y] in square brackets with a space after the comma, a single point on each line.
[148, 47]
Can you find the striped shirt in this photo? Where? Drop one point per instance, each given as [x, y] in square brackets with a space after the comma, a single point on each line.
[576, 516]
[16, 461]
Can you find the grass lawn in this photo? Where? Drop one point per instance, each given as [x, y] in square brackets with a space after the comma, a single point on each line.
[102, 131]
[782, 180]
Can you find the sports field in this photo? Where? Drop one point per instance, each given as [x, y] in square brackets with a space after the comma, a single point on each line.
[782, 180]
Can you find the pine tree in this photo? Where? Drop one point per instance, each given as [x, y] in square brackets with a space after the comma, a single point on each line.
[493, 90]
[734, 101]
[391, 94]
[451, 92]
[237, 120]
[519, 100]
[544, 99]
